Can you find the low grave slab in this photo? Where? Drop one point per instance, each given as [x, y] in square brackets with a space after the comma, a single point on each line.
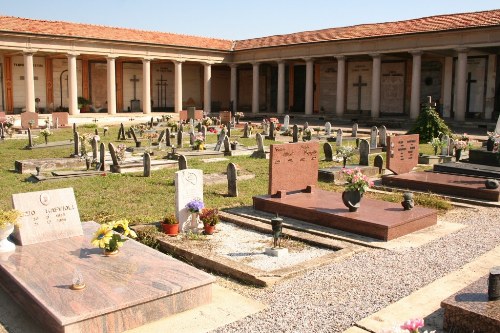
[470, 169]
[482, 156]
[54, 144]
[470, 311]
[377, 219]
[434, 159]
[335, 173]
[441, 183]
[48, 164]
[138, 286]
[139, 166]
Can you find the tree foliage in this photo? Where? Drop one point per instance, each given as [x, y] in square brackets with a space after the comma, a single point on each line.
[429, 125]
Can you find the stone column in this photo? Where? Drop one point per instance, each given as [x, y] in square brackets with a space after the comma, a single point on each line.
[415, 84]
[178, 86]
[72, 84]
[461, 90]
[447, 86]
[340, 105]
[207, 88]
[111, 85]
[146, 86]
[281, 87]
[234, 86]
[377, 64]
[29, 81]
[255, 88]
[309, 86]
[490, 88]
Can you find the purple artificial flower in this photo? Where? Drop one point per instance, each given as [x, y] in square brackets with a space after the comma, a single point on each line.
[195, 205]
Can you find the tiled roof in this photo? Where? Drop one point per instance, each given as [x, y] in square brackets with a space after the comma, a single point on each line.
[420, 25]
[59, 28]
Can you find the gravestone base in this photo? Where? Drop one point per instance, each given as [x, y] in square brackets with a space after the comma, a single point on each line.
[139, 166]
[470, 311]
[441, 183]
[434, 159]
[260, 154]
[137, 286]
[53, 144]
[49, 164]
[482, 156]
[276, 252]
[377, 219]
[469, 169]
[335, 173]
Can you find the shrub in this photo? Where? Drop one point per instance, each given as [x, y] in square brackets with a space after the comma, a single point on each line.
[429, 125]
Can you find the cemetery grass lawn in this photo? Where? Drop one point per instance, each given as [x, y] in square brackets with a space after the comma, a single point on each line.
[132, 196]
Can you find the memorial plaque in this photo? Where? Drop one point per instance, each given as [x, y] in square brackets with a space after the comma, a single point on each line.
[402, 155]
[46, 216]
[26, 117]
[225, 117]
[61, 118]
[286, 159]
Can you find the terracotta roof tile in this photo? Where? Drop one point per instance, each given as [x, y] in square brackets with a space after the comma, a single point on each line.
[420, 25]
[59, 28]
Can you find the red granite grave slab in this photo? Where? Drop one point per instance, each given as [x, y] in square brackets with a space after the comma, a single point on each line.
[378, 219]
[458, 185]
[470, 311]
[135, 287]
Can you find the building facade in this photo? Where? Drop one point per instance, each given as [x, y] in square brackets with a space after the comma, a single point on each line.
[375, 70]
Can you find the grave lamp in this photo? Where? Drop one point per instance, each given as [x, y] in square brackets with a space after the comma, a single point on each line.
[78, 283]
[277, 225]
[494, 284]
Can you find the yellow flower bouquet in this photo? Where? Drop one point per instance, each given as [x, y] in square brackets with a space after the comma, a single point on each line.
[109, 235]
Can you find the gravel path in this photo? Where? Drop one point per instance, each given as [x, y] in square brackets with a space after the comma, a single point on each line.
[334, 297]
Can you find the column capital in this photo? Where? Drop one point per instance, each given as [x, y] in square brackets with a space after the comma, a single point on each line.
[462, 49]
[208, 63]
[375, 55]
[280, 61]
[29, 51]
[416, 52]
[111, 57]
[147, 59]
[340, 57]
[72, 54]
[233, 65]
[308, 59]
[255, 63]
[178, 61]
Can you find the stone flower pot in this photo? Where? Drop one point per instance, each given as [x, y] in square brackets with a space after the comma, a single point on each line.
[170, 229]
[5, 244]
[352, 200]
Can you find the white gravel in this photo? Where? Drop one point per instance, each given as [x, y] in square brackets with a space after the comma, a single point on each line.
[334, 297]
[248, 246]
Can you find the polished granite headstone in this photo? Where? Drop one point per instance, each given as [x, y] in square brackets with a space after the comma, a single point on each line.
[469, 169]
[470, 311]
[137, 286]
[402, 154]
[482, 156]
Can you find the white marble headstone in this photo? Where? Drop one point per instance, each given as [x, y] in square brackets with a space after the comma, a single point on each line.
[328, 128]
[46, 216]
[188, 186]
[286, 123]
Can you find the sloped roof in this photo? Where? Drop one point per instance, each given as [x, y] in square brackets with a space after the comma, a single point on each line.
[80, 30]
[419, 25]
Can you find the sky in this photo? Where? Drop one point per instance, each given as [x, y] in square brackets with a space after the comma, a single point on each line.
[233, 19]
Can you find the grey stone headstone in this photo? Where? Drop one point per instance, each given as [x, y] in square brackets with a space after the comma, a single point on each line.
[354, 130]
[102, 156]
[181, 127]
[191, 122]
[382, 136]
[327, 148]
[183, 164]
[451, 146]
[227, 146]
[162, 134]
[340, 132]
[203, 131]
[95, 144]
[74, 127]
[260, 142]
[30, 138]
[222, 135]
[146, 160]
[232, 177]
[168, 141]
[364, 151]
[112, 152]
[57, 123]
[96, 131]
[272, 128]
[229, 131]
[152, 122]
[295, 133]
[132, 131]
[328, 128]
[2, 135]
[191, 138]
[373, 137]
[286, 123]
[446, 145]
[180, 138]
[246, 131]
[306, 125]
[76, 139]
[121, 132]
[265, 128]
[378, 162]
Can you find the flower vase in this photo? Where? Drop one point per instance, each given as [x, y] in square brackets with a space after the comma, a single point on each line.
[170, 229]
[209, 229]
[352, 200]
[109, 253]
[5, 244]
[458, 154]
[234, 146]
[344, 161]
[490, 144]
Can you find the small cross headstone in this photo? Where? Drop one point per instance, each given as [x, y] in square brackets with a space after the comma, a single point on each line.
[203, 131]
[295, 133]
[364, 151]
[180, 138]
[446, 145]
[112, 152]
[132, 131]
[328, 128]
[183, 164]
[95, 143]
[339, 137]
[232, 177]
[121, 132]
[327, 148]
[379, 163]
[382, 136]
[76, 138]
[246, 131]
[286, 123]
[96, 131]
[227, 146]
[102, 157]
[354, 132]
[30, 139]
[168, 141]
[272, 128]
[147, 164]
[373, 137]
[260, 142]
